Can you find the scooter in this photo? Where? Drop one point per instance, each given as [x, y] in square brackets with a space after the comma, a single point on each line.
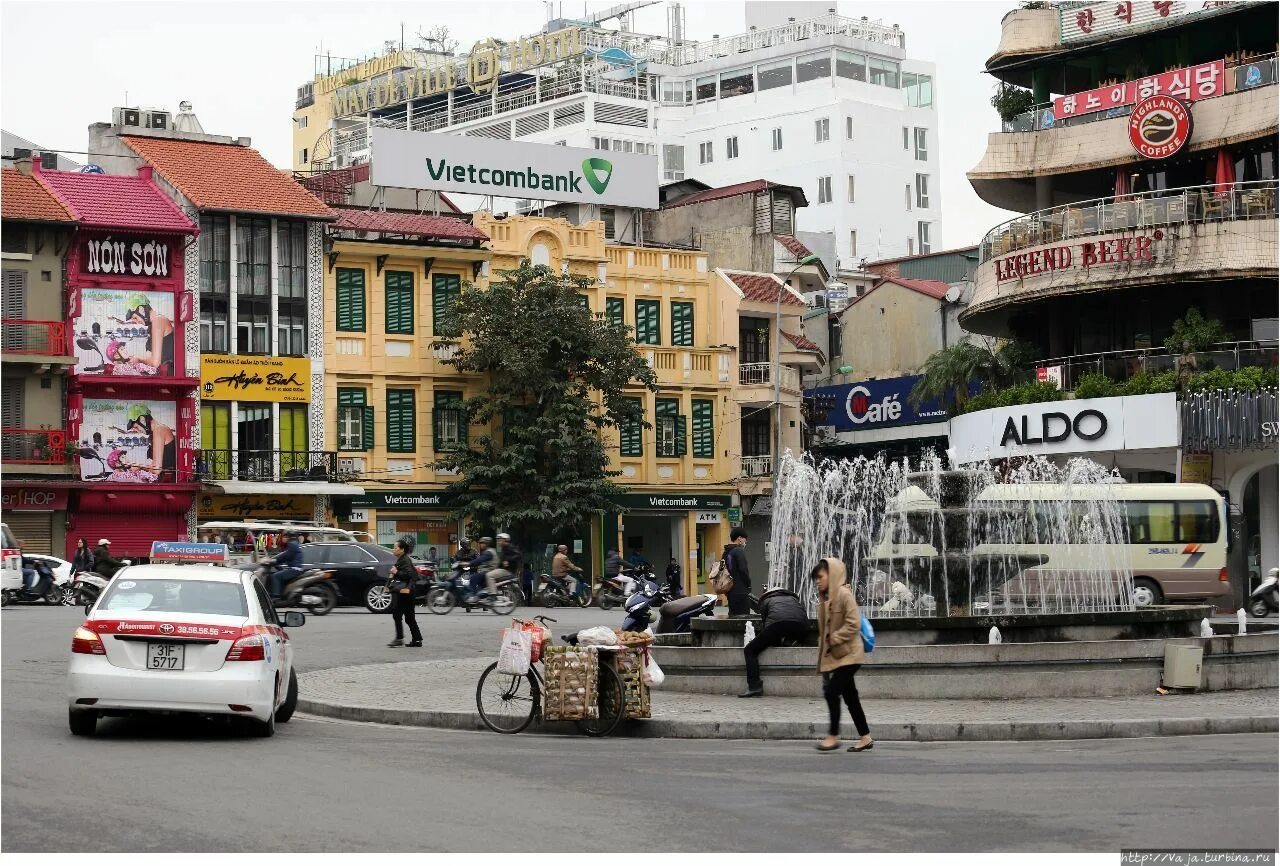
[555, 592]
[647, 595]
[616, 590]
[311, 589]
[47, 588]
[674, 616]
[89, 585]
[455, 591]
[1263, 600]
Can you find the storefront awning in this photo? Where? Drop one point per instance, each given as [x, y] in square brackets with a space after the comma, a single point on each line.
[289, 488]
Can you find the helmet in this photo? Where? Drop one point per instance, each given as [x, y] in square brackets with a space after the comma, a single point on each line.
[104, 542]
[136, 300]
[486, 540]
[464, 540]
[137, 410]
[502, 536]
[113, 349]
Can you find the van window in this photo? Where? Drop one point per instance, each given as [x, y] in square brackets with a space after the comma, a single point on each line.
[1197, 522]
[1172, 522]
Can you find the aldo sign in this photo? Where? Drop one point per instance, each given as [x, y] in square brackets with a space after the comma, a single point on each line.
[1067, 427]
[481, 166]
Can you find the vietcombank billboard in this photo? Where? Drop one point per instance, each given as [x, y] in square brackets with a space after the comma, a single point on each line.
[482, 166]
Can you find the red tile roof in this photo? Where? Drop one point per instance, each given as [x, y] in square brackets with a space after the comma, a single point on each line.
[793, 246]
[933, 288]
[412, 224]
[227, 177]
[801, 343]
[751, 186]
[23, 198]
[117, 202]
[764, 288]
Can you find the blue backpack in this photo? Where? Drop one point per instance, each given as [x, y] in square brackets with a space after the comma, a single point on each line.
[868, 635]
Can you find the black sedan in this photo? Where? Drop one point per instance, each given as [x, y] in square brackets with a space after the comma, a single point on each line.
[360, 570]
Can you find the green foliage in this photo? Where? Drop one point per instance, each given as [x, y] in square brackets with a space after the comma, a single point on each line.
[1094, 385]
[1016, 395]
[1196, 330]
[948, 373]
[555, 380]
[1010, 101]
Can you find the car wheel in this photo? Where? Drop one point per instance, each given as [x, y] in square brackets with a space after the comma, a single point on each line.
[377, 598]
[1146, 593]
[285, 713]
[264, 729]
[82, 722]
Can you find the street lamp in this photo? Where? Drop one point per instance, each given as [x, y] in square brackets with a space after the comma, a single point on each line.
[776, 373]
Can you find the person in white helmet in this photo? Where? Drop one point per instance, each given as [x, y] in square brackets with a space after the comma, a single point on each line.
[107, 565]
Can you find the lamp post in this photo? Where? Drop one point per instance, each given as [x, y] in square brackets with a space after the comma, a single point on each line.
[776, 372]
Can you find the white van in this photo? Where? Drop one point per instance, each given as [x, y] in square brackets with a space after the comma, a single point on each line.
[242, 555]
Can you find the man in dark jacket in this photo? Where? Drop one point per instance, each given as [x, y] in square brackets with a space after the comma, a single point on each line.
[106, 564]
[782, 617]
[288, 565]
[735, 557]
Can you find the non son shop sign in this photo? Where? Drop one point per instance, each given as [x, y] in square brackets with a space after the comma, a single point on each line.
[456, 163]
[1115, 251]
[126, 257]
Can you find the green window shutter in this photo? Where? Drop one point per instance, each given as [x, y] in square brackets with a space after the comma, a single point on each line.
[445, 289]
[399, 300]
[681, 323]
[704, 428]
[368, 428]
[648, 323]
[401, 432]
[682, 436]
[350, 299]
[613, 310]
[631, 434]
[670, 427]
[448, 427]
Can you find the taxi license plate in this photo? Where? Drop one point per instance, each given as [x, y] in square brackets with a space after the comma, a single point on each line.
[165, 656]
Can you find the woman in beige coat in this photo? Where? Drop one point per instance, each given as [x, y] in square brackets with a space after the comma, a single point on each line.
[840, 652]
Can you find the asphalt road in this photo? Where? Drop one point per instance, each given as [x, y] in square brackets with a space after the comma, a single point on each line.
[321, 785]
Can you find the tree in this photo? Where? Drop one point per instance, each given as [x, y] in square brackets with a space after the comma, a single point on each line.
[1010, 101]
[1197, 331]
[555, 380]
[948, 374]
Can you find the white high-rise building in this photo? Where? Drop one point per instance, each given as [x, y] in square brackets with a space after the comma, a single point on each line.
[830, 104]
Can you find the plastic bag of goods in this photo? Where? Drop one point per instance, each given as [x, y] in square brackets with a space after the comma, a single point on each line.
[516, 652]
[653, 675]
[597, 636]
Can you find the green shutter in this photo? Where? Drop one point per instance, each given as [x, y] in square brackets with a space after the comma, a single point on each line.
[445, 289]
[350, 299]
[682, 436]
[445, 401]
[631, 433]
[670, 408]
[367, 432]
[399, 300]
[704, 428]
[681, 323]
[648, 323]
[401, 432]
[614, 310]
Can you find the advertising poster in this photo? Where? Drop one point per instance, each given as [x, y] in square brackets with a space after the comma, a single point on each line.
[258, 379]
[121, 332]
[128, 441]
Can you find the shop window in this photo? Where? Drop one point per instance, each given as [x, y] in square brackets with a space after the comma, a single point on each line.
[401, 428]
[648, 323]
[355, 420]
[704, 428]
[671, 428]
[350, 299]
[681, 323]
[398, 289]
[445, 291]
[215, 439]
[631, 433]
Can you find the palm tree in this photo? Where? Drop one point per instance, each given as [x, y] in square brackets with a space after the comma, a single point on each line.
[948, 374]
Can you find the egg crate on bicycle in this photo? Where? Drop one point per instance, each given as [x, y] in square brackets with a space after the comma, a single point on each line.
[570, 674]
[630, 662]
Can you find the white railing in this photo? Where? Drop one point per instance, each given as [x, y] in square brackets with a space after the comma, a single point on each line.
[762, 374]
[754, 467]
[798, 31]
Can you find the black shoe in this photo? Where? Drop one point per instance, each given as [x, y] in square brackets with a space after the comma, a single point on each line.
[753, 693]
[397, 642]
[414, 643]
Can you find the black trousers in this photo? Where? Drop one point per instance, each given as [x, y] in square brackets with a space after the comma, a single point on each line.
[839, 684]
[771, 635]
[403, 610]
[739, 602]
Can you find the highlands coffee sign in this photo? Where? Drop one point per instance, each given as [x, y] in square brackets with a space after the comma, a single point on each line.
[1138, 249]
[1159, 126]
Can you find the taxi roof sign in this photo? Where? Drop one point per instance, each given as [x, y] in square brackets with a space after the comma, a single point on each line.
[187, 551]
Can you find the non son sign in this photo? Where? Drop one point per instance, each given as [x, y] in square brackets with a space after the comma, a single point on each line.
[127, 257]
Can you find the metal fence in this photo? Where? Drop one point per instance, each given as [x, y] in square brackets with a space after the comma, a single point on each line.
[1123, 365]
[29, 337]
[33, 447]
[224, 464]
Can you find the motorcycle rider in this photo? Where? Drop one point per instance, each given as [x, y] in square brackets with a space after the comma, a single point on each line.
[288, 565]
[481, 564]
[107, 565]
[561, 568]
[465, 553]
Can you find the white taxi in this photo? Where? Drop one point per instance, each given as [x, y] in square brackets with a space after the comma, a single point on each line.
[183, 635]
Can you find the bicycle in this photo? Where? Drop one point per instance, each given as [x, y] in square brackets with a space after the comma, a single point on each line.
[513, 701]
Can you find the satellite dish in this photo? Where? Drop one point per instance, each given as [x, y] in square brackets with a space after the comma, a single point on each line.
[953, 294]
[91, 169]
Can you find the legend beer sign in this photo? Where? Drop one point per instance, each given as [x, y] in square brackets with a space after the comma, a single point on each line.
[1113, 251]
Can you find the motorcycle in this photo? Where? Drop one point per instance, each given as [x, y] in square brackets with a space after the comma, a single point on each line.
[47, 589]
[555, 592]
[311, 589]
[674, 613]
[455, 591]
[616, 590]
[1263, 600]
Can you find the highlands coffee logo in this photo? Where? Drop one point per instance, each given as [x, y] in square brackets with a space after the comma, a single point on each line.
[1159, 126]
[862, 411]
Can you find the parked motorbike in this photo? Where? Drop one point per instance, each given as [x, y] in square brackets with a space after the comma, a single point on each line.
[48, 588]
[455, 591]
[1263, 601]
[648, 595]
[312, 589]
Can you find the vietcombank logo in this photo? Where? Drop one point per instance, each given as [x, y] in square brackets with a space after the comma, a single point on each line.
[596, 171]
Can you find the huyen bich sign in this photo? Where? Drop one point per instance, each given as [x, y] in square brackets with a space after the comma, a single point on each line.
[458, 163]
[235, 377]
[1139, 249]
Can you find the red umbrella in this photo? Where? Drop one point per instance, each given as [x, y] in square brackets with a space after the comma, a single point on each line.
[1224, 172]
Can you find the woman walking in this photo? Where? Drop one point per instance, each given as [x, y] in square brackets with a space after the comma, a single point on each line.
[83, 560]
[403, 575]
[840, 652]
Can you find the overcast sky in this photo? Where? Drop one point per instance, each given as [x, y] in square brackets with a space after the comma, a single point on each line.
[66, 65]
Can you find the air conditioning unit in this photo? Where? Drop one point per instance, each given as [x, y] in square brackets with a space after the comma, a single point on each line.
[350, 466]
[128, 117]
[157, 119]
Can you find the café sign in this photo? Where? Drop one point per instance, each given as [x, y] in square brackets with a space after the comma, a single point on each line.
[253, 378]
[1122, 250]
[1159, 127]
[1189, 84]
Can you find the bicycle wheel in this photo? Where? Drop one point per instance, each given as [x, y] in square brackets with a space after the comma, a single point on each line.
[507, 704]
[609, 700]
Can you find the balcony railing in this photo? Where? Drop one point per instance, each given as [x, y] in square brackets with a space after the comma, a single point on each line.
[756, 467]
[29, 337]
[224, 464]
[1124, 365]
[762, 374]
[34, 447]
[1207, 203]
[1247, 75]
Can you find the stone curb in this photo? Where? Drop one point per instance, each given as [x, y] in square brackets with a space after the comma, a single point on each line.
[890, 731]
